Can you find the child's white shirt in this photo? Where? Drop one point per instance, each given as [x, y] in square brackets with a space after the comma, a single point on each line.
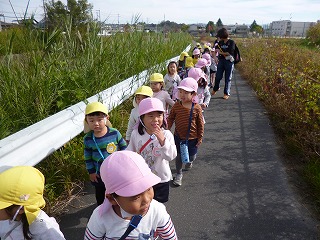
[204, 95]
[109, 225]
[171, 82]
[133, 119]
[42, 228]
[164, 97]
[156, 156]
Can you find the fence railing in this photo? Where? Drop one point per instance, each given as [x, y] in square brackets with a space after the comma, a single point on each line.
[34, 143]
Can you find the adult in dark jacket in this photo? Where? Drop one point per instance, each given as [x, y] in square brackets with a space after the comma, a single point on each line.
[225, 49]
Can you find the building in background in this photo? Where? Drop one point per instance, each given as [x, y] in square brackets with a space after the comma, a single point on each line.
[287, 28]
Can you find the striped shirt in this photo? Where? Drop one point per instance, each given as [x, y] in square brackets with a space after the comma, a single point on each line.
[110, 142]
[180, 115]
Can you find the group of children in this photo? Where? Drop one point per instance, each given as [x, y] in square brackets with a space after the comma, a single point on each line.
[131, 176]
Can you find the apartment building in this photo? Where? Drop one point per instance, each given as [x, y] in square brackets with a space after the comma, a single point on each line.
[287, 28]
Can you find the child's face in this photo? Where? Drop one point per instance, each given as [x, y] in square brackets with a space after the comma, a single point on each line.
[137, 205]
[156, 86]
[172, 68]
[197, 56]
[185, 96]
[139, 98]
[97, 123]
[153, 121]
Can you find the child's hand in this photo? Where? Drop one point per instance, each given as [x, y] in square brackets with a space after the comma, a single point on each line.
[199, 143]
[94, 177]
[157, 131]
[203, 106]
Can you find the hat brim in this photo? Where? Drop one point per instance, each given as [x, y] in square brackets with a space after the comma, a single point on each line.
[186, 88]
[139, 186]
[4, 205]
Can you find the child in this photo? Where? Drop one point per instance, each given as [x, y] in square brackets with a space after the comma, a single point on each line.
[157, 85]
[180, 114]
[189, 65]
[21, 201]
[141, 93]
[172, 80]
[129, 197]
[203, 92]
[99, 143]
[182, 63]
[155, 144]
[202, 64]
[213, 67]
[206, 70]
[196, 55]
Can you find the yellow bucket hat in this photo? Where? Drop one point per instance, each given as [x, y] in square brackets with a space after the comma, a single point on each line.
[156, 77]
[95, 107]
[182, 55]
[22, 186]
[189, 62]
[143, 90]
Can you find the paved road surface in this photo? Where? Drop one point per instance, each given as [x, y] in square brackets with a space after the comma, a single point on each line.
[237, 189]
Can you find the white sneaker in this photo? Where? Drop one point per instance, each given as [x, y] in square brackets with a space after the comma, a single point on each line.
[188, 166]
[178, 180]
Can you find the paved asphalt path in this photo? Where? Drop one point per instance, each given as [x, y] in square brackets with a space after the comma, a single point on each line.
[238, 187]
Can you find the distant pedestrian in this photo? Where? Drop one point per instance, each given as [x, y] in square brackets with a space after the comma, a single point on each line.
[155, 144]
[184, 113]
[225, 48]
[21, 201]
[99, 143]
[129, 210]
[172, 80]
[141, 93]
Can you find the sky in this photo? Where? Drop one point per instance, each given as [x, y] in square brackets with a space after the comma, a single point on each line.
[186, 11]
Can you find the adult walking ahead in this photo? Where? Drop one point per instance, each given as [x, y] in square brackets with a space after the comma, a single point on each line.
[225, 48]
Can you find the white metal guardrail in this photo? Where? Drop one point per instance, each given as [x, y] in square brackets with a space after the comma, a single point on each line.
[34, 143]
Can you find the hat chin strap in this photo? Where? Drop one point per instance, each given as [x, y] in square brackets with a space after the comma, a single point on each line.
[17, 212]
[152, 136]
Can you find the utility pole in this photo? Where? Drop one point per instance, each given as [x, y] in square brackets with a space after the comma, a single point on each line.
[118, 22]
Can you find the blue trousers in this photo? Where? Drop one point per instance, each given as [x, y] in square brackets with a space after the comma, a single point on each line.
[226, 67]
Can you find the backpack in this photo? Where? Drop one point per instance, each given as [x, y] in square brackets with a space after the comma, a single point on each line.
[237, 57]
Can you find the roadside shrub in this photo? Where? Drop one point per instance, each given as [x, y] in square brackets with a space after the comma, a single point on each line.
[313, 35]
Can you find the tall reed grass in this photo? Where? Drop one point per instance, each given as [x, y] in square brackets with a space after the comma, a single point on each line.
[43, 73]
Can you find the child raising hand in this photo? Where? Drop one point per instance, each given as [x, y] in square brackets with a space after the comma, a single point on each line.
[155, 144]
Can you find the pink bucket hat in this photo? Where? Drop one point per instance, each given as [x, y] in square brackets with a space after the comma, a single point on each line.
[201, 63]
[126, 174]
[150, 105]
[196, 51]
[196, 74]
[188, 84]
[207, 57]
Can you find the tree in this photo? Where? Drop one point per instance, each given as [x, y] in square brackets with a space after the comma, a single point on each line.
[254, 27]
[219, 23]
[77, 12]
[210, 28]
